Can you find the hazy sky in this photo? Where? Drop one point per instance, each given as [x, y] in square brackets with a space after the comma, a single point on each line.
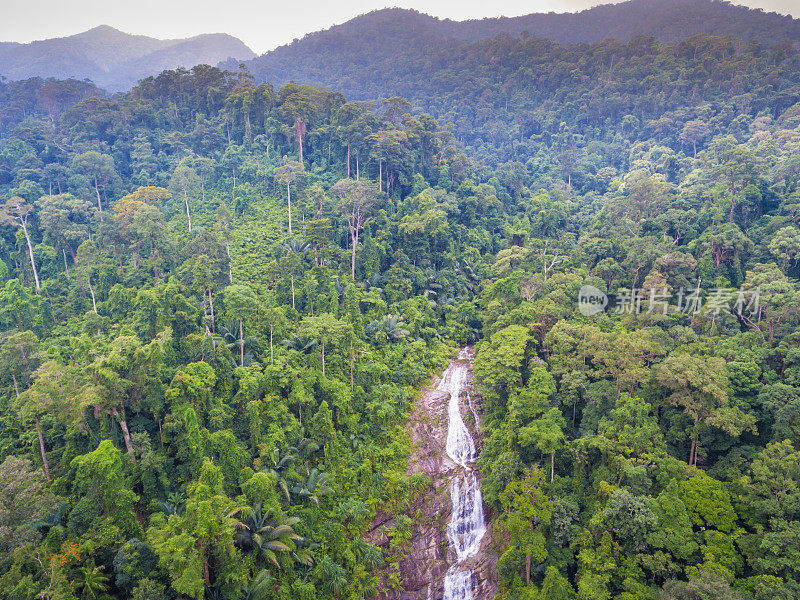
[261, 25]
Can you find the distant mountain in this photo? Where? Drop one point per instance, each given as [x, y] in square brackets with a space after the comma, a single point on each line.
[370, 45]
[112, 59]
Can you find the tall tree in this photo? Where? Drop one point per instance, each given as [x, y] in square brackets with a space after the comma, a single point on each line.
[99, 168]
[356, 201]
[241, 303]
[289, 172]
[701, 386]
[16, 212]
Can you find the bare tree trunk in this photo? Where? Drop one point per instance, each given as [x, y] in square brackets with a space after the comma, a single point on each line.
[45, 464]
[323, 357]
[527, 569]
[30, 253]
[380, 175]
[91, 291]
[354, 237]
[348, 160]
[126, 434]
[186, 201]
[241, 343]
[552, 465]
[299, 140]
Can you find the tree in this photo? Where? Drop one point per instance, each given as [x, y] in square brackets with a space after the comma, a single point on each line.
[352, 126]
[547, 434]
[185, 181]
[93, 582]
[65, 220]
[97, 167]
[100, 477]
[289, 172]
[705, 584]
[526, 512]
[772, 498]
[123, 377]
[708, 502]
[24, 502]
[498, 363]
[86, 259]
[270, 534]
[390, 146]
[19, 358]
[242, 303]
[197, 547]
[53, 394]
[297, 109]
[771, 304]
[630, 429]
[626, 356]
[701, 386]
[674, 532]
[296, 250]
[16, 212]
[555, 586]
[326, 329]
[693, 132]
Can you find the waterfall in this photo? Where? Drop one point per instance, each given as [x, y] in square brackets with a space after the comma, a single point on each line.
[467, 525]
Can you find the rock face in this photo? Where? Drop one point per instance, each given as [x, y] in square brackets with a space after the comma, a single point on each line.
[429, 556]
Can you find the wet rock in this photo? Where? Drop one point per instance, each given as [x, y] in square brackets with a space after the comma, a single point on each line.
[428, 557]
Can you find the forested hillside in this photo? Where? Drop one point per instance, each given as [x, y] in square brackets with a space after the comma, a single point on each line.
[378, 53]
[220, 300]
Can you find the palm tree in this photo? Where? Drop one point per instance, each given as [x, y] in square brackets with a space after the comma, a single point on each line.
[373, 283]
[93, 582]
[260, 587]
[282, 460]
[390, 327]
[393, 325]
[306, 447]
[314, 486]
[432, 286]
[332, 575]
[303, 345]
[270, 534]
[173, 505]
[341, 289]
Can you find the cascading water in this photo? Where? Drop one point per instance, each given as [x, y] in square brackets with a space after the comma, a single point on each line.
[467, 526]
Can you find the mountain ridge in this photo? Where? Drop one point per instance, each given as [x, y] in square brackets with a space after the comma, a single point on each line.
[386, 36]
[113, 59]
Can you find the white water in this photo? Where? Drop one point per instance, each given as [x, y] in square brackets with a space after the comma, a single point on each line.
[467, 525]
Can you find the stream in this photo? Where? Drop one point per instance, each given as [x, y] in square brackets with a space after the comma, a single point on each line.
[467, 524]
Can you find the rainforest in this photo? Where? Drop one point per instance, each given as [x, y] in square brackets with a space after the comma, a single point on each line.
[512, 319]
